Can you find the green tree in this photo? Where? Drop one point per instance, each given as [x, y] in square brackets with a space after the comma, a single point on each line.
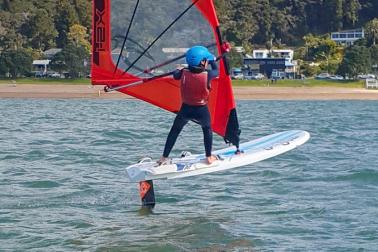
[75, 57]
[5, 5]
[240, 25]
[332, 13]
[79, 37]
[265, 21]
[58, 62]
[368, 11]
[371, 29]
[10, 35]
[20, 6]
[320, 48]
[84, 12]
[310, 70]
[4, 65]
[37, 23]
[236, 58]
[374, 56]
[16, 62]
[65, 17]
[42, 30]
[351, 9]
[357, 60]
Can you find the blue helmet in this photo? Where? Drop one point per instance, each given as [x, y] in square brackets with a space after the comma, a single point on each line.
[196, 54]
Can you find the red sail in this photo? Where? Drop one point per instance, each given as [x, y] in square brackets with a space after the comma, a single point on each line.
[130, 37]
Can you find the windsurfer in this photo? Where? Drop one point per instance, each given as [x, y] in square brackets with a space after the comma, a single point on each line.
[195, 90]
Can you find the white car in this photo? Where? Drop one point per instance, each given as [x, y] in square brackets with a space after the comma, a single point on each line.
[257, 76]
[322, 76]
[366, 76]
[336, 77]
[54, 75]
[238, 76]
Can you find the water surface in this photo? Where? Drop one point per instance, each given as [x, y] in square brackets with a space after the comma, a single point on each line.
[63, 185]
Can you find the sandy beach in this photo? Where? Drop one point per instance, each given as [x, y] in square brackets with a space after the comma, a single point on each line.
[63, 91]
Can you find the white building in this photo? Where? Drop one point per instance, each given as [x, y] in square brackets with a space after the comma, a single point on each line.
[40, 66]
[269, 62]
[260, 54]
[347, 37]
[288, 54]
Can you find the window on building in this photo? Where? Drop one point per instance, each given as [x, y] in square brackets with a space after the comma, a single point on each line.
[335, 35]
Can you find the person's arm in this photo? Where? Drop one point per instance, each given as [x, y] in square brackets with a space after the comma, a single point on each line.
[213, 73]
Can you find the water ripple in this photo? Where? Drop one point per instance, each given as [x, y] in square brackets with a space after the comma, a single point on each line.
[63, 185]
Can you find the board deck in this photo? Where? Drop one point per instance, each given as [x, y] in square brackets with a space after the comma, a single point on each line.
[192, 165]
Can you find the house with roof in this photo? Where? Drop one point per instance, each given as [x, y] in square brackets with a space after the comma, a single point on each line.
[40, 67]
[50, 53]
[348, 37]
[275, 63]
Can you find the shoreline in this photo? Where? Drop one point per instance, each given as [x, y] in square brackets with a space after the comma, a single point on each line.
[63, 91]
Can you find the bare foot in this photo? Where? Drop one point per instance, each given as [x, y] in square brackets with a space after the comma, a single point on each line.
[163, 161]
[211, 159]
[238, 152]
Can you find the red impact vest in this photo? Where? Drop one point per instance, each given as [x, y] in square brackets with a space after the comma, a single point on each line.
[194, 89]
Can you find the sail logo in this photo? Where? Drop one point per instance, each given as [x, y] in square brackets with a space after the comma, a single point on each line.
[100, 39]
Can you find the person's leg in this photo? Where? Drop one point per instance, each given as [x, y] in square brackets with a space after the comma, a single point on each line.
[203, 117]
[177, 126]
[208, 139]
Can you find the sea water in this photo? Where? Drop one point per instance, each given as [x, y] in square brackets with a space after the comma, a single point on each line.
[63, 185]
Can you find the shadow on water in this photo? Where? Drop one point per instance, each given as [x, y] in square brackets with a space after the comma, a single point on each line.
[145, 211]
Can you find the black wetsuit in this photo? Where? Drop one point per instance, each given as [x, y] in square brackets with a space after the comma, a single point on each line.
[198, 114]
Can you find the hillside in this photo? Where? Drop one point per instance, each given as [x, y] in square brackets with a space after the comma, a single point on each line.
[287, 21]
[29, 27]
[42, 24]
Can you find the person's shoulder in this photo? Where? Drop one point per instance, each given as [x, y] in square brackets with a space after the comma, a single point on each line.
[177, 74]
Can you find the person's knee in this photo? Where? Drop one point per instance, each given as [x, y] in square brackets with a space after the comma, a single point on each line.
[178, 126]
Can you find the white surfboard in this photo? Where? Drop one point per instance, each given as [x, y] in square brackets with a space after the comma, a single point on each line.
[191, 165]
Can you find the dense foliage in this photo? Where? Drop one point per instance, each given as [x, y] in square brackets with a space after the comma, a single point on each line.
[287, 21]
[29, 27]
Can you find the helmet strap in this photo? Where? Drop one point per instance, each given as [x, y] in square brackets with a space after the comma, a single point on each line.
[196, 69]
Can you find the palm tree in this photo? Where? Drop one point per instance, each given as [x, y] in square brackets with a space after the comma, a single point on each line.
[372, 31]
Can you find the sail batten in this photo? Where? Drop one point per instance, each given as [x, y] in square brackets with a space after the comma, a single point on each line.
[126, 35]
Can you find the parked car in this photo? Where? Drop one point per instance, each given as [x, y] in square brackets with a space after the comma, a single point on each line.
[366, 76]
[256, 76]
[40, 74]
[323, 76]
[238, 76]
[54, 75]
[336, 77]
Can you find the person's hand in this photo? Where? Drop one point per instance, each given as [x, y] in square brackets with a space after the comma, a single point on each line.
[212, 59]
[226, 47]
